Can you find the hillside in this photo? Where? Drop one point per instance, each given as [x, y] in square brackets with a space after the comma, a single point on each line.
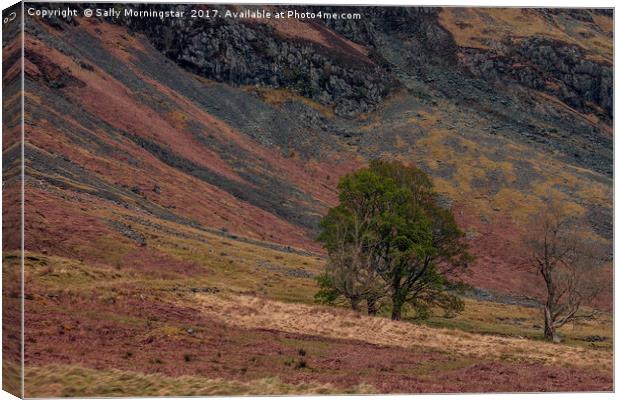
[176, 172]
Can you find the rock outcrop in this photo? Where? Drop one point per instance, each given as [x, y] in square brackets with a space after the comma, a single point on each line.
[550, 66]
[244, 53]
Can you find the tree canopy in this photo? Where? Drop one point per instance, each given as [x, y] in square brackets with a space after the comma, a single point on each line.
[389, 238]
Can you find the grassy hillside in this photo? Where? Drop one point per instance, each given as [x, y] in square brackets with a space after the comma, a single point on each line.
[251, 334]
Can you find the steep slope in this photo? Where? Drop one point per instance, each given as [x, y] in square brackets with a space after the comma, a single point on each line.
[108, 120]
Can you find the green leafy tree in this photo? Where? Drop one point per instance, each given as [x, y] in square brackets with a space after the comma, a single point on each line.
[389, 221]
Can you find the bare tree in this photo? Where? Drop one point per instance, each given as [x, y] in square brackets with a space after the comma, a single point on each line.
[349, 272]
[569, 264]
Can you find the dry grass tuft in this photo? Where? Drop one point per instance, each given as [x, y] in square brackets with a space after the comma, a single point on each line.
[278, 96]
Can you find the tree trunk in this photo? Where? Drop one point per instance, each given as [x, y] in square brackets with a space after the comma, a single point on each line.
[397, 298]
[550, 330]
[355, 303]
[397, 308]
[372, 306]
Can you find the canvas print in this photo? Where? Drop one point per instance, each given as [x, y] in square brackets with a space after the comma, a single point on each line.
[205, 199]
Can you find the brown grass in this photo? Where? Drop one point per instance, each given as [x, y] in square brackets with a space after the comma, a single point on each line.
[77, 381]
[277, 97]
[252, 312]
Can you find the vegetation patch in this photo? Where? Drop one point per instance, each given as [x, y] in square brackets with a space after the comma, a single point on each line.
[76, 381]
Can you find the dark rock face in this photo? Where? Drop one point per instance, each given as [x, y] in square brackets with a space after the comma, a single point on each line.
[241, 53]
[559, 69]
[237, 53]
[429, 42]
